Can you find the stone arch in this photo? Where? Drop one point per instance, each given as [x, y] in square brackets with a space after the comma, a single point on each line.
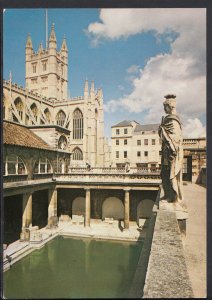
[62, 142]
[47, 115]
[60, 118]
[34, 110]
[113, 208]
[77, 124]
[78, 206]
[144, 208]
[19, 106]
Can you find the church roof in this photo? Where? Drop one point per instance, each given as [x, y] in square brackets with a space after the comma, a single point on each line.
[147, 127]
[123, 124]
[19, 135]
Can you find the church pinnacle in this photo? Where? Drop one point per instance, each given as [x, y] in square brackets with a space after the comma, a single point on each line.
[52, 37]
[64, 45]
[29, 42]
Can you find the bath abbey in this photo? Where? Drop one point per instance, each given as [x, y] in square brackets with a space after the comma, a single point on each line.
[62, 179]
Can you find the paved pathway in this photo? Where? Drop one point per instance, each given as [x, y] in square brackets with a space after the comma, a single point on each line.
[196, 239]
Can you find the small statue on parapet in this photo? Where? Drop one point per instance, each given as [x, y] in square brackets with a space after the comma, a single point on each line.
[170, 132]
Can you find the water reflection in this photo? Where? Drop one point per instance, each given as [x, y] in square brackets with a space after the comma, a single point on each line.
[74, 268]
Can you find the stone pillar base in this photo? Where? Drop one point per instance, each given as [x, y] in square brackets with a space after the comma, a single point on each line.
[52, 222]
[25, 235]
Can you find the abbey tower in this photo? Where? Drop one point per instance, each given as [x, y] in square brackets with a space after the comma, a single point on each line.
[47, 69]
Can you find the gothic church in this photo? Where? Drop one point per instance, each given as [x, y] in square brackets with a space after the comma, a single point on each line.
[75, 125]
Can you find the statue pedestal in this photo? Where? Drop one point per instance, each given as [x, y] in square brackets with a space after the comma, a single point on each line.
[181, 214]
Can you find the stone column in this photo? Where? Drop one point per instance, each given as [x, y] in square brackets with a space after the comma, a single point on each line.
[87, 207]
[52, 209]
[126, 208]
[26, 216]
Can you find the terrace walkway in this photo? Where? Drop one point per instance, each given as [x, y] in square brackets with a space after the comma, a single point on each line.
[195, 244]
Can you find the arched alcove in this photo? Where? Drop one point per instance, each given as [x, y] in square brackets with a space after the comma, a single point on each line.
[144, 208]
[113, 208]
[78, 206]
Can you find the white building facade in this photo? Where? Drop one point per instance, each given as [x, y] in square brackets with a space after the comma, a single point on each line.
[135, 145]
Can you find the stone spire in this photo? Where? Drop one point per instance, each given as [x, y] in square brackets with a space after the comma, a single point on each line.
[52, 38]
[92, 90]
[86, 89]
[100, 93]
[64, 47]
[29, 42]
[40, 49]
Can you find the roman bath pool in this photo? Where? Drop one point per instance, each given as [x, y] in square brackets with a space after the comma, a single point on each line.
[74, 268]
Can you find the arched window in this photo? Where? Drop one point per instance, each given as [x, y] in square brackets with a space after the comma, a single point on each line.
[77, 154]
[77, 124]
[14, 165]
[60, 118]
[34, 110]
[62, 143]
[47, 115]
[43, 166]
[19, 106]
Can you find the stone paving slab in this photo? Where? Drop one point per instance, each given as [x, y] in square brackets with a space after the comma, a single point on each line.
[196, 238]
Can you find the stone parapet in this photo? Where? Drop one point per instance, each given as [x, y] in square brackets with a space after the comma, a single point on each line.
[167, 275]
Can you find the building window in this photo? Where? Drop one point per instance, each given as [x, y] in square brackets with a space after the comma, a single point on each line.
[77, 154]
[138, 142]
[146, 142]
[62, 143]
[42, 166]
[117, 131]
[142, 132]
[60, 118]
[34, 68]
[125, 130]
[138, 153]
[125, 142]
[44, 78]
[153, 141]
[117, 154]
[117, 142]
[153, 131]
[44, 65]
[34, 81]
[77, 124]
[146, 153]
[160, 153]
[19, 106]
[125, 154]
[14, 165]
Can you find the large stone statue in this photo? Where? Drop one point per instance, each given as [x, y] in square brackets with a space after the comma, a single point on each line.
[170, 132]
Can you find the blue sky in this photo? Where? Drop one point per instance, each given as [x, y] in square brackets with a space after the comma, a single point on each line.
[119, 58]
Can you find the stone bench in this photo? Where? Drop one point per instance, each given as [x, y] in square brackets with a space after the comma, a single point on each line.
[78, 219]
[109, 220]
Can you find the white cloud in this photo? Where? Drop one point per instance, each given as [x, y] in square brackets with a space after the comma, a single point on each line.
[182, 71]
[133, 69]
[194, 129]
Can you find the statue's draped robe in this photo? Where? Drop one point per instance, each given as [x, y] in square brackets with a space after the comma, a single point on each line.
[172, 157]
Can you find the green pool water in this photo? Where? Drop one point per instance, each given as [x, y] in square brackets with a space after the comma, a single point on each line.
[74, 268]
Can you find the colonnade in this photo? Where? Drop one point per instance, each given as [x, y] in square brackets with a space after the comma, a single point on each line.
[52, 210]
